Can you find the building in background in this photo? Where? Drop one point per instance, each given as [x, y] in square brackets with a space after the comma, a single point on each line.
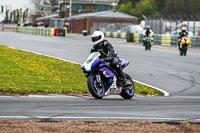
[84, 6]
[43, 9]
[77, 7]
[86, 15]
[93, 21]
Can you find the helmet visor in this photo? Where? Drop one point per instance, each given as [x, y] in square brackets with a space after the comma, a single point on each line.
[94, 39]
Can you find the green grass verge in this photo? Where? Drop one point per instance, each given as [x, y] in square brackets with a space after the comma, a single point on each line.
[27, 73]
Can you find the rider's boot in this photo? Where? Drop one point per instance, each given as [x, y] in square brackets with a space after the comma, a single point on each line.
[124, 80]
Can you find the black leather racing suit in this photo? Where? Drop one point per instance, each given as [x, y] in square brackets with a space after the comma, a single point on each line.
[107, 51]
[148, 32]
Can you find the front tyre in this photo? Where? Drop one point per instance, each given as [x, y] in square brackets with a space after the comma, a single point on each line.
[96, 90]
[128, 93]
[181, 52]
[185, 50]
[146, 47]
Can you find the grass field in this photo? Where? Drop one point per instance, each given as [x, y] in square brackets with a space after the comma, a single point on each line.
[23, 73]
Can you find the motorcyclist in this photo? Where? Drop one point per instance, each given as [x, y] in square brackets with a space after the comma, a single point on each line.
[147, 31]
[183, 33]
[107, 52]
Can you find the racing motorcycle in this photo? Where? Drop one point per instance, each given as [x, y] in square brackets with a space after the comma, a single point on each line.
[148, 43]
[103, 80]
[184, 43]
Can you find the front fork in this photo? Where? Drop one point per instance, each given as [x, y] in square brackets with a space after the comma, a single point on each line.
[98, 85]
[98, 78]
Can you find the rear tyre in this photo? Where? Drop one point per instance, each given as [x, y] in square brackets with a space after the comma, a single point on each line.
[96, 91]
[128, 93]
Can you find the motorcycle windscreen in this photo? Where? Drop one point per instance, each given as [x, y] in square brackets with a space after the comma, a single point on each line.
[92, 56]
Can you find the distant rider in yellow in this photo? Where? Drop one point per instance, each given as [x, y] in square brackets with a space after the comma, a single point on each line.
[183, 33]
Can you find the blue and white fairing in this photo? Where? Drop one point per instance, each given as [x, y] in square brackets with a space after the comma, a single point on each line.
[93, 63]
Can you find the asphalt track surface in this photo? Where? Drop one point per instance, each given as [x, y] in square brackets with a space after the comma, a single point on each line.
[163, 68]
[156, 109]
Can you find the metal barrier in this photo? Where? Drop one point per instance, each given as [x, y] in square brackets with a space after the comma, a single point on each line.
[42, 31]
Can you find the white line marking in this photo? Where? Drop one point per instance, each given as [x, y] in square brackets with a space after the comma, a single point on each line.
[14, 117]
[65, 96]
[163, 91]
[99, 118]
[49, 96]
[127, 118]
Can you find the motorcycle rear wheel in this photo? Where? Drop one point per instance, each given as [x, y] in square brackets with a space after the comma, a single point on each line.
[128, 93]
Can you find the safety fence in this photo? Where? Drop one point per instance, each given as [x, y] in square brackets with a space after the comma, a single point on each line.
[171, 24]
[159, 39]
[43, 31]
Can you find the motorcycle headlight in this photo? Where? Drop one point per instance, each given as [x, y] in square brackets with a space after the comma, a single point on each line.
[188, 42]
[182, 41]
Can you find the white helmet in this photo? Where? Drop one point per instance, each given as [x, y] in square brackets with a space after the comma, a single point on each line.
[184, 29]
[97, 37]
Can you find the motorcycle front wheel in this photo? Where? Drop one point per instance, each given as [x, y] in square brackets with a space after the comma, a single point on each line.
[150, 47]
[128, 92]
[96, 90]
[185, 50]
[181, 52]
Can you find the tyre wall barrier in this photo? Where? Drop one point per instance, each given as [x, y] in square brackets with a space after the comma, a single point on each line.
[122, 35]
[136, 38]
[42, 31]
[165, 40]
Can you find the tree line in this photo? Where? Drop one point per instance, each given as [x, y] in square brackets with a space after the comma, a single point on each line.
[159, 8]
[155, 8]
